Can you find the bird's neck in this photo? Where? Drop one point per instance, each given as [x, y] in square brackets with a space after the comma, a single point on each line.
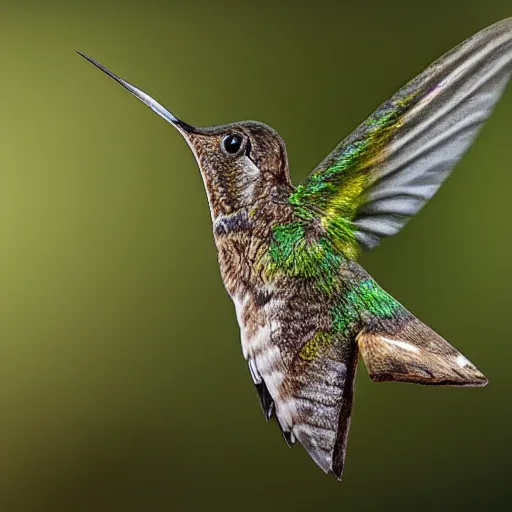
[255, 220]
[242, 240]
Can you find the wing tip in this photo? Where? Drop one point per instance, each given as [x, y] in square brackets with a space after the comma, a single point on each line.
[505, 23]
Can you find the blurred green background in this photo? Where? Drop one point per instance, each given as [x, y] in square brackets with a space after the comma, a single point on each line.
[122, 384]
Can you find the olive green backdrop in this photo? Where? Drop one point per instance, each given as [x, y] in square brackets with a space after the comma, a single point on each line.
[122, 384]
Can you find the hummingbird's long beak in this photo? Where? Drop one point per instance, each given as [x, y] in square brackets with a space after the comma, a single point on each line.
[142, 96]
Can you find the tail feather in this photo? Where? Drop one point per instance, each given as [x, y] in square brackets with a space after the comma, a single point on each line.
[415, 353]
[315, 404]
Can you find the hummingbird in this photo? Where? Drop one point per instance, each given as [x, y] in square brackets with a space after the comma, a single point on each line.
[288, 254]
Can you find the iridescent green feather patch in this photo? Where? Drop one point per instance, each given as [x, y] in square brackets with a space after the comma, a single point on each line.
[334, 192]
[292, 252]
[365, 297]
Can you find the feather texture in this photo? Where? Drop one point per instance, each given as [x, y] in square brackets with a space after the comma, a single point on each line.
[374, 181]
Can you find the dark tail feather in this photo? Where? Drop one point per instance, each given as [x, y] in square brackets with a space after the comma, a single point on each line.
[340, 447]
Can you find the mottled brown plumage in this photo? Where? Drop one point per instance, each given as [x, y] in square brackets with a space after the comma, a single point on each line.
[286, 255]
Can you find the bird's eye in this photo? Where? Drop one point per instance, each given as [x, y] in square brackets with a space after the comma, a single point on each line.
[232, 143]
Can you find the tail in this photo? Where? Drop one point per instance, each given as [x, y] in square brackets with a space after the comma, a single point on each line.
[315, 400]
[396, 346]
[402, 348]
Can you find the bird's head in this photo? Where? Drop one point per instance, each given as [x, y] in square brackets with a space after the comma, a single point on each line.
[241, 163]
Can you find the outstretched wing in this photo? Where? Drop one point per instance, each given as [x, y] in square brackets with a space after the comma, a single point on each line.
[382, 174]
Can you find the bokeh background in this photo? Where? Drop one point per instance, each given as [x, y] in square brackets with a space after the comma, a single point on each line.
[122, 384]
